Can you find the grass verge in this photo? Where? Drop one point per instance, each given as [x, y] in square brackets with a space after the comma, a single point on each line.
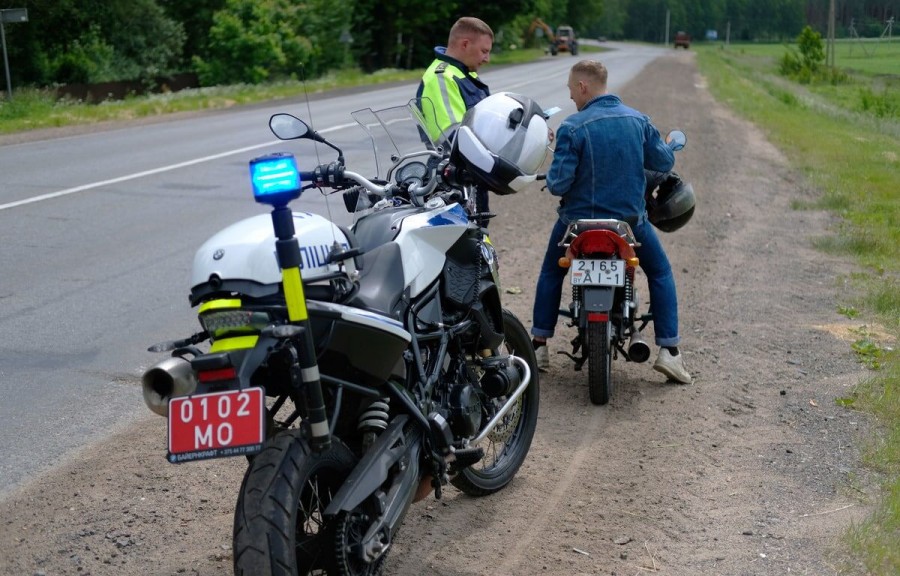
[851, 154]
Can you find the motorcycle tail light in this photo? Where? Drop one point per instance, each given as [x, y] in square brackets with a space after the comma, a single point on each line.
[222, 323]
[217, 375]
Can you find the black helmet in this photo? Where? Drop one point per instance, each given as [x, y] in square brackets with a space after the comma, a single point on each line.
[671, 205]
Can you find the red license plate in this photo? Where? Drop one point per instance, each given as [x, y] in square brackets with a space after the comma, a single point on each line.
[216, 425]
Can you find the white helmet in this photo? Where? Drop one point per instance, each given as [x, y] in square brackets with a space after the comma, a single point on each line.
[503, 141]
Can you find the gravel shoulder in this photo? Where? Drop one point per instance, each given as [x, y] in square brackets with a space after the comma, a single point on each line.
[751, 470]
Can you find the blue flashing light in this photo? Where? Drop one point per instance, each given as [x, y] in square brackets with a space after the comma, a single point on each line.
[275, 179]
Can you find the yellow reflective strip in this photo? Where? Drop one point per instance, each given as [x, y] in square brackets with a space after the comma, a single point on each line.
[445, 97]
[237, 343]
[293, 294]
[223, 303]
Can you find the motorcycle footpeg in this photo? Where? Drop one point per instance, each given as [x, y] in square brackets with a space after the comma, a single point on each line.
[465, 457]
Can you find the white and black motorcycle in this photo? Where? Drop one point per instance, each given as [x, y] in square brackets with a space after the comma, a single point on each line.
[358, 369]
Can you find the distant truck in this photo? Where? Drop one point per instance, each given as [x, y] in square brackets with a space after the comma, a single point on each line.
[682, 39]
[564, 41]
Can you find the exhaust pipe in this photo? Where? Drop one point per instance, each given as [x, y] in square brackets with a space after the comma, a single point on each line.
[638, 349]
[171, 377]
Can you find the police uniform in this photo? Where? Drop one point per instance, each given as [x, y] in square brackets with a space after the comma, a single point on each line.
[452, 89]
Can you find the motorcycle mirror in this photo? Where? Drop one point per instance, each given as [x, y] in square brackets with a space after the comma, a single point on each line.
[287, 127]
[676, 139]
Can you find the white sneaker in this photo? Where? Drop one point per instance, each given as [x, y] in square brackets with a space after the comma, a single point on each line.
[672, 366]
[542, 353]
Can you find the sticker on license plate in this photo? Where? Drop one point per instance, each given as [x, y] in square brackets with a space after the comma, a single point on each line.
[598, 272]
[216, 425]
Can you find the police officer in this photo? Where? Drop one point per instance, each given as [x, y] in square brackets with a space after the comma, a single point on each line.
[451, 82]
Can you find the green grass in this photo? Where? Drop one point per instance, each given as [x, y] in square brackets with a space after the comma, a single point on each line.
[877, 539]
[851, 153]
[869, 82]
[871, 57]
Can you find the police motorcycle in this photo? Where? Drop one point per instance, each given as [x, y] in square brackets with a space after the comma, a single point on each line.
[358, 369]
[600, 254]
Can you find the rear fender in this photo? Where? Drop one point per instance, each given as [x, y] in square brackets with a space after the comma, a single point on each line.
[597, 299]
[592, 242]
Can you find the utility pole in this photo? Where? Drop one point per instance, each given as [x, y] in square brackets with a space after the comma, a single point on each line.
[829, 47]
[728, 34]
[667, 26]
[888, 29]
[10, 15]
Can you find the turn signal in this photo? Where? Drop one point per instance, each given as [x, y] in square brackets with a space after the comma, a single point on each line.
[633, 262]
[564, 262]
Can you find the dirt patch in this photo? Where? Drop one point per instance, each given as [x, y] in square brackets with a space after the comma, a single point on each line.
[751, 470]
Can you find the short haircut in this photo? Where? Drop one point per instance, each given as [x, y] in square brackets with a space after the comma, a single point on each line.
[592, 72]
[467, 26]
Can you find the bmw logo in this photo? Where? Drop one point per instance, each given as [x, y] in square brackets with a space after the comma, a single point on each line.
[218, 254]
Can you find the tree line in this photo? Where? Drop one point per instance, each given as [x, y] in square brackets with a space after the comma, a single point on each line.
[253, 41]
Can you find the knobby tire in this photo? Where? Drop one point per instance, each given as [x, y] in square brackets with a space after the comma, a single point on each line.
[278, 528]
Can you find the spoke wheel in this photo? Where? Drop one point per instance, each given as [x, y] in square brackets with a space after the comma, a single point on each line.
[600, 383]
[349, 532]
[506, 447]
[279, 528]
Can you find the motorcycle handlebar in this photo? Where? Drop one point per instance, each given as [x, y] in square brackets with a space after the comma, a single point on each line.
[334, 175]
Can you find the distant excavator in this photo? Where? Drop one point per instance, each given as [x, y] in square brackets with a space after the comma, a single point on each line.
[563, 41]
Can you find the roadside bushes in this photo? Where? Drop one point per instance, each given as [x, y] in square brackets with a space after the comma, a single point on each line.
[807, 64]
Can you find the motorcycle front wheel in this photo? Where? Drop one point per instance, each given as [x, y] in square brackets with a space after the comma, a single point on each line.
[600, 383]
[279, 528]
[506, 447]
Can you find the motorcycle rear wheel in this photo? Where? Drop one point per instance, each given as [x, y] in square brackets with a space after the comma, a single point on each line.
[278, 524]
[600, 382]
[507, 446]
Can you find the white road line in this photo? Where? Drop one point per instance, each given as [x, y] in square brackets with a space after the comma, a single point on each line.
[159, 170]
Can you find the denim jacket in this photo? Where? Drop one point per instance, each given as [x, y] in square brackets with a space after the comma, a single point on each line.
[598, 165]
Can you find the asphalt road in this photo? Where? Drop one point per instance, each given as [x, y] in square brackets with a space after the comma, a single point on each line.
[98, 233]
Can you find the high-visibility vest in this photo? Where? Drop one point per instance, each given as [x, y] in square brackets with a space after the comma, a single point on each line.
[441, 89]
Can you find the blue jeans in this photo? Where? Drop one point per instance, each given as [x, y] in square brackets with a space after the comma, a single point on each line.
[654, 263]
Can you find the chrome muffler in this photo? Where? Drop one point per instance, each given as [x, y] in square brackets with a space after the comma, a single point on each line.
[171, 377]
[638, 349]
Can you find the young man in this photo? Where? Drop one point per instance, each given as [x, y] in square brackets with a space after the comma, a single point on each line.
[598, 171]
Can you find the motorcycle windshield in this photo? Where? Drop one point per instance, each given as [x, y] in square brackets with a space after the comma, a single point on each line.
[395, 132]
